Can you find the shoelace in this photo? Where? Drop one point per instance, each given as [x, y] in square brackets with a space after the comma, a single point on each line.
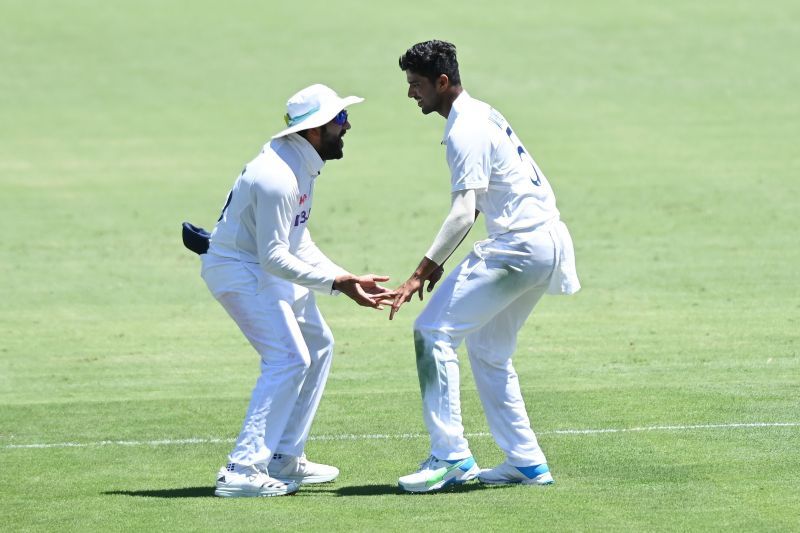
[255, 474]
[265, 480]
[427, 463]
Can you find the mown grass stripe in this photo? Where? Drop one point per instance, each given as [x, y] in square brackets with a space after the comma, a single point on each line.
[399, 436]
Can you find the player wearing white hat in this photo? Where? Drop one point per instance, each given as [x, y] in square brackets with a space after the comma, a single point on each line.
[262, 266]
[489, 295]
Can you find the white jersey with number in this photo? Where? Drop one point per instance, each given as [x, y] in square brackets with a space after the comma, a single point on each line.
[485, 154]
[264, 219]
[487, 297]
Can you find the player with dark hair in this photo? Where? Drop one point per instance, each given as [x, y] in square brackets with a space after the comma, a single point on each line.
[432, 59]
[489, 295]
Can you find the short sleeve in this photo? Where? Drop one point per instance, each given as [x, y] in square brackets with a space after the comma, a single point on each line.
[469, 155]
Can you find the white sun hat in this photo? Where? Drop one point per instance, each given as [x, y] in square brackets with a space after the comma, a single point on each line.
[312, 107]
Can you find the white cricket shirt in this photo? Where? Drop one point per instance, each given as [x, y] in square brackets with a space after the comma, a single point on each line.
[264, 219]
[485, 154]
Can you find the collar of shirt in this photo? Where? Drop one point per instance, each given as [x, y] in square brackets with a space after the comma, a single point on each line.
[461, 101]
[312, 162]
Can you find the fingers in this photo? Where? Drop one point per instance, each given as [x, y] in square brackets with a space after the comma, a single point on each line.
[388, 296]
[371, 279]
[365, 299]
[379, 294]
[364, 296]
[399, 300]
[374, 296]
[404, 293]
[395, 308]
[366, 302]
[379, 291]
[380, 302]
[385, 295]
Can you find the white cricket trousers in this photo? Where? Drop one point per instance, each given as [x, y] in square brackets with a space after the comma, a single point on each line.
[282, 322]
[485, 301]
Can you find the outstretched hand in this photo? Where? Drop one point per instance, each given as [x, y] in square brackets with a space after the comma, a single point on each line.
[364, 290]
[426, 271]
[404, 292]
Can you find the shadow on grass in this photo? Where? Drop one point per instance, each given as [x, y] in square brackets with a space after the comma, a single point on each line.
[186, 492]
[380, 490]
[352, 490]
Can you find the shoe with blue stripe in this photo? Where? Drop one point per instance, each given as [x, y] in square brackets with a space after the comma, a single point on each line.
[505, 474]
[435, 474]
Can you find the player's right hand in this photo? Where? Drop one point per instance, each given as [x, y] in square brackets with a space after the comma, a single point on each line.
[404, 293]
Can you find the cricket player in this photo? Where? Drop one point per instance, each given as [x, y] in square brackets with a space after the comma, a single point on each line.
[489, 295]
[263, 267]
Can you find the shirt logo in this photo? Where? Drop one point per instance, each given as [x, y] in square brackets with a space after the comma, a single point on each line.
[303, 199]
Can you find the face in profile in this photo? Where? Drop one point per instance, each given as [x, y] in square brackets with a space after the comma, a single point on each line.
[423, 91]
[331, 144]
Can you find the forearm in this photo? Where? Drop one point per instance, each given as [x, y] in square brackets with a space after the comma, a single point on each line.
[454, 229]
[273, 226]
[279, 262]
[311, 254]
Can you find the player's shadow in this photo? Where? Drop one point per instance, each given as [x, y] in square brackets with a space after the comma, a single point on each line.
[185, 492]
[380, 490]
[351, 490]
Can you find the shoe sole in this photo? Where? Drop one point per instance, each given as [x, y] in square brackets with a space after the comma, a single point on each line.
[307, 480]
[419, 489]
[534, 481]
[240, 493]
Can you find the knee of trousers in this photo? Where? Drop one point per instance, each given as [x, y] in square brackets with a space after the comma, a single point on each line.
[432, 343]
[289, 361]
[425, 328]
[327, 338]
[321, 347]
[494, 354]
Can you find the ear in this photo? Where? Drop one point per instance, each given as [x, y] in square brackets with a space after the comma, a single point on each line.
[314, 135]
[442, 83]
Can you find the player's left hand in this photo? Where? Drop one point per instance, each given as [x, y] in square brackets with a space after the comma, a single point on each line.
[433, 279]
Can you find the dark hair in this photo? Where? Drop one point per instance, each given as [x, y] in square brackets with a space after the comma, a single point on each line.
[432, 59]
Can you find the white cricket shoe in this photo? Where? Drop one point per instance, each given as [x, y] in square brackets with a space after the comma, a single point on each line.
[435, 474]
[290, 468]
[505, 474]
[240, 481]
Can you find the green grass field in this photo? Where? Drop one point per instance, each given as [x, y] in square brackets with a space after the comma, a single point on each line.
[666, 394]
